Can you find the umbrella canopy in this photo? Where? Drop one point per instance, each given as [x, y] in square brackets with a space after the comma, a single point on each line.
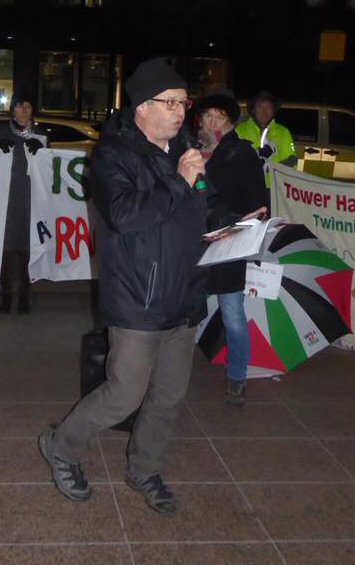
[311, 311]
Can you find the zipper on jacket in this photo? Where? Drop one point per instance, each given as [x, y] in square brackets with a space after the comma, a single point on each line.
[151, 285]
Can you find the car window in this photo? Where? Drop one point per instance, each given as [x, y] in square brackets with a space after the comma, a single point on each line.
[302, 123]
[57, 132]
[341, 128]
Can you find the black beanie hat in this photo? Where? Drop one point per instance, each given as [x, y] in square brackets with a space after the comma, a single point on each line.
[151, 78]
[19, 97]
[220, 101]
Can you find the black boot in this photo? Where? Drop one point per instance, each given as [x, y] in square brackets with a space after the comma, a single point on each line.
[6, 282]
[6, 303]
[235, 392]
[23, 306]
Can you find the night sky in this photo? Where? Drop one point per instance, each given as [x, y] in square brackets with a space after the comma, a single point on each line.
[272, 44]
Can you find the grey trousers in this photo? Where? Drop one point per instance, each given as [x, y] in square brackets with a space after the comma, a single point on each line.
[152, 368]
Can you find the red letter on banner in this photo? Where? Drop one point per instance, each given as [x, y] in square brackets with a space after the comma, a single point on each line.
[82, 234]
[63, 238]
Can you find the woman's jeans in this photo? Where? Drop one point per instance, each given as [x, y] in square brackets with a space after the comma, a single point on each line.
[237, 334]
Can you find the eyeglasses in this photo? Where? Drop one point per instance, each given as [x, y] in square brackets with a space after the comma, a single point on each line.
[173, 103]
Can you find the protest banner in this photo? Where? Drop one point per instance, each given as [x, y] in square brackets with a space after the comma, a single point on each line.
[5, 175]
[62, 236]
[326, 207]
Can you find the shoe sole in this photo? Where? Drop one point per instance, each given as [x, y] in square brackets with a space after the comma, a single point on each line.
[42, 444]
[235, 401]
[137, 488]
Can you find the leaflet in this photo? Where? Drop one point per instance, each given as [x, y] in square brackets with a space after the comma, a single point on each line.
[238, 241]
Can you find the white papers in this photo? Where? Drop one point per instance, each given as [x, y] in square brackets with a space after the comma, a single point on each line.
[264, 280]
[227, 231]
[239, 245]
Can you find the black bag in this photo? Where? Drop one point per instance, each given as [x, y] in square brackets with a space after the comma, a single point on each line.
[94, 349]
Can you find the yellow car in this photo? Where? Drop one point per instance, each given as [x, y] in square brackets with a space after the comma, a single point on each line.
[324, 138]
[64, 133]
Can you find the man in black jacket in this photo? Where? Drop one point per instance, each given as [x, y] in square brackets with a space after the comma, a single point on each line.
[152, 294]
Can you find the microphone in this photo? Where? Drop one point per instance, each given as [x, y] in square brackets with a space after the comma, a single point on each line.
[191, 142]
[200, 182]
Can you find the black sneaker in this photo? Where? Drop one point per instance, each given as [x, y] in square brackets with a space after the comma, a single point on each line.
[68, 477]
[156, 493]
[6, 303]
[235, 393]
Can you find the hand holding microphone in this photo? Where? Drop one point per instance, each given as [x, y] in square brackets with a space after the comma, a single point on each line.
[191, 164]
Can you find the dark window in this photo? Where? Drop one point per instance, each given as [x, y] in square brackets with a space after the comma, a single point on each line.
[58, 80]
[65, 2]
[303, 124]
[95, 85]
[6, 74]
[341, 128]
[56, 132]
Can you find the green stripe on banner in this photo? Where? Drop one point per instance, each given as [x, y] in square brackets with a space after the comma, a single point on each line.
[315, 258]
[283, 334]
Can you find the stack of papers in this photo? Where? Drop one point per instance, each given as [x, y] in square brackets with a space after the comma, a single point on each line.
[241, 240]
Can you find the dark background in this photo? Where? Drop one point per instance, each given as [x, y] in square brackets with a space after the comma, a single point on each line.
[270, 44]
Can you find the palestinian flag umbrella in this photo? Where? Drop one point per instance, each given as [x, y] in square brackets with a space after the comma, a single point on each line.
[311, 311]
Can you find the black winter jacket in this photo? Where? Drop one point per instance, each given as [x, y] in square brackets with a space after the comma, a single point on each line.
[237, 187]
[18, 215]
[149, 238]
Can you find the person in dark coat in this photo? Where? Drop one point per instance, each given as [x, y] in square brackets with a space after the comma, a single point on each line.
[20, 137]
[236, 188]
[152, 293]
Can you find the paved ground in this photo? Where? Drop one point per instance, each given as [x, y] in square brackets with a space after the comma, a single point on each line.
[270, 483]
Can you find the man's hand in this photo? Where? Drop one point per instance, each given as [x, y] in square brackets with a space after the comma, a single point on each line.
[191, 164]
[5, 145]
[33, 145]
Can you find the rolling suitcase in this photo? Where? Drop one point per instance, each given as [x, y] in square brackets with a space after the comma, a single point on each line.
[94, 349]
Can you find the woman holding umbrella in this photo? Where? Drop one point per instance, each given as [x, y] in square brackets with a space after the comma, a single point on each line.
[236, 188]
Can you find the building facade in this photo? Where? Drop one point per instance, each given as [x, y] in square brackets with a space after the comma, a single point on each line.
[72, 55]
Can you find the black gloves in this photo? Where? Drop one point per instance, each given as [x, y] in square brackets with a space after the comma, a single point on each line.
[33, 145]
[5, 145]
[265, 151]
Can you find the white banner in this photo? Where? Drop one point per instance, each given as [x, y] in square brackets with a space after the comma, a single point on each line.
[5, 174]
[62, 231]
[326, 207]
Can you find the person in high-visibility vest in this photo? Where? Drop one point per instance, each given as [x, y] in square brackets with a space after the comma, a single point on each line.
[272, 141]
